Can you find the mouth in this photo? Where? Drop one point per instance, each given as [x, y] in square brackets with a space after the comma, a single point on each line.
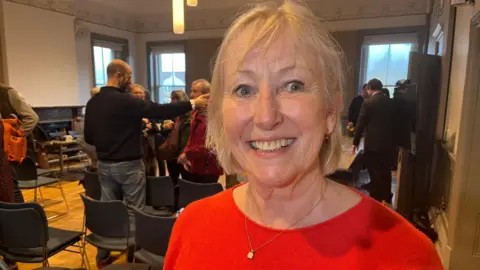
[271, 145]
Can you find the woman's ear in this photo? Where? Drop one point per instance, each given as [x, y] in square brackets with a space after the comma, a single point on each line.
[332, 114]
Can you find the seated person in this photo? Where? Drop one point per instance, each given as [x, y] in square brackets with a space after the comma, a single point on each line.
[274, 113]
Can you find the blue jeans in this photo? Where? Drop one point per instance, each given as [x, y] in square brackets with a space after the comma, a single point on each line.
[122, 181]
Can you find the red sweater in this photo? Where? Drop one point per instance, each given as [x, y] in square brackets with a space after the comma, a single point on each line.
[202, 159]
[210, 234]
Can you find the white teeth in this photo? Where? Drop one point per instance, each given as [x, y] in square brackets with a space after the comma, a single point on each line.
[271, 146]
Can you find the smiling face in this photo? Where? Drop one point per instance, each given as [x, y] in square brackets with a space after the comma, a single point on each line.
[274, 114]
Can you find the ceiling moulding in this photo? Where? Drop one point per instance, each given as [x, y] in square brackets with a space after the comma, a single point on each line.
[198, 19]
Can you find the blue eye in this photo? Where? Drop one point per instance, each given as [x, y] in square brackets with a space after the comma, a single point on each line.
[294, 86]
[243, 91]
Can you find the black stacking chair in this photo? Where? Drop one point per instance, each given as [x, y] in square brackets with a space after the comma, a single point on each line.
[26, 174]
[108, 223]
[152, 234]
[92, 185]
[25, 236]
[160, 198]
[190, 192]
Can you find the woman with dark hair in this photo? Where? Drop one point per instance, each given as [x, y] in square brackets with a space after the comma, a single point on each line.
[150, 130]
[183, 125]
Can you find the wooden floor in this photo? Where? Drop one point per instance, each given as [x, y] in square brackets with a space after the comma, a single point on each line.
[72, 221]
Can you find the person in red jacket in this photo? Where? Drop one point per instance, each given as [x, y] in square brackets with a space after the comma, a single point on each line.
[200, 164]
[274, 113]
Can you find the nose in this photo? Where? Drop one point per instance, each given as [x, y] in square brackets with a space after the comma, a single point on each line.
[267, 114]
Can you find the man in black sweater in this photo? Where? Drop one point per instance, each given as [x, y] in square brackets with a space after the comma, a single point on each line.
[113, 124]
[375, 123]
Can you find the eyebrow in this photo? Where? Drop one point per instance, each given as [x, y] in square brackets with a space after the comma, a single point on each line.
[283, 68]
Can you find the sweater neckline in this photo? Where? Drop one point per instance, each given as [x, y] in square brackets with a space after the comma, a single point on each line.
[336, 219]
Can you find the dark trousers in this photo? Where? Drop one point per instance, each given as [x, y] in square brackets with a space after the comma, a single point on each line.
[17, 193]
[174, 170]
[161, 167]
[202, 178]
[378, 165]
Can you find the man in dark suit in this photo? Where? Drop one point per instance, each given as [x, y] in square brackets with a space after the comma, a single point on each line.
[376, 124]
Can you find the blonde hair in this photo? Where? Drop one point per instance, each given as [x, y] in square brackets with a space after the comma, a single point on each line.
[269, 22]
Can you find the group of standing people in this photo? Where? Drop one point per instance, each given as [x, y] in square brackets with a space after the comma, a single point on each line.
[121, 123]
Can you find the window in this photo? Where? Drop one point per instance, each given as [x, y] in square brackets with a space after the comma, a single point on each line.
[105, 49]
[167, 72]
[101, 57]
[386, 60]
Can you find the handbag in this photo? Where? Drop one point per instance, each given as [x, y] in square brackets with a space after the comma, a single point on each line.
[168, 150]
[14, 140]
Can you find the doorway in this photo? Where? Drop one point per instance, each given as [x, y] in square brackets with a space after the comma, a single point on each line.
[464, 227]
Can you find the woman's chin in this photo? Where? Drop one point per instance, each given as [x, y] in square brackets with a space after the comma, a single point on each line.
[272, 178]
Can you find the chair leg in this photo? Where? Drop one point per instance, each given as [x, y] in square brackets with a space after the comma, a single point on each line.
[63, 195]
[41, 195]
[85, 261]
[35, 195]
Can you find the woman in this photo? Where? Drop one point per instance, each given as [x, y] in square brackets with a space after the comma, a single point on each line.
[274, 114]
[150, 129]
[175, 169]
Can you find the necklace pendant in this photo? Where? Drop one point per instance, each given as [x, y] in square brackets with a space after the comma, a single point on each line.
[251, 254]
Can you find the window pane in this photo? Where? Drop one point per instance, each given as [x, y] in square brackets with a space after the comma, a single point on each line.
[179, 62]
[167, 62]
[398, 63]
[99, 67]
[170, 74]
[377, 62]
[388, 63]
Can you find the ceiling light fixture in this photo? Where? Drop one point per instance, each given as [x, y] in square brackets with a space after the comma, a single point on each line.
[192, 3]
[178, 16]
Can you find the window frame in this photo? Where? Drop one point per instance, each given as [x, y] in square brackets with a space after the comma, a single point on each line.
[164, 47]
[96, 38]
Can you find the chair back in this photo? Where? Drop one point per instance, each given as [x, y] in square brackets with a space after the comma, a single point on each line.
[26, 171]
[106, 219]
[190, 192]
[92, 185]
[160, 191]
[152, 233]
[22, 226]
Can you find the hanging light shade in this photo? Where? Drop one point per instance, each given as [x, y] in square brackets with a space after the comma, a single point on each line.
[192, 3]
[178, 16]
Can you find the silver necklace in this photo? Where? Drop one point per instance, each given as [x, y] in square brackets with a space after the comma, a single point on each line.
[252, 251]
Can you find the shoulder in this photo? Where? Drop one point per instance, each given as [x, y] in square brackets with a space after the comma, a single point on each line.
[205, 213]
[401, 242]
[218, 203]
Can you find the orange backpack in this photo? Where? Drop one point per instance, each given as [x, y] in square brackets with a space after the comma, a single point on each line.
[14, 140]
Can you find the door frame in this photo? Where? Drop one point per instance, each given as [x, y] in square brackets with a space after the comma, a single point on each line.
[464, 220]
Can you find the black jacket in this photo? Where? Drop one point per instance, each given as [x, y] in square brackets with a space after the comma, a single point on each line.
[376, 121]
[113, 122]
[354, 109]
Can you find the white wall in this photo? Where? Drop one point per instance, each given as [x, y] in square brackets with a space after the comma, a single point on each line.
[343, 25]
[458, 71]
[47, 61]
[84, 55]
[40, 55]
